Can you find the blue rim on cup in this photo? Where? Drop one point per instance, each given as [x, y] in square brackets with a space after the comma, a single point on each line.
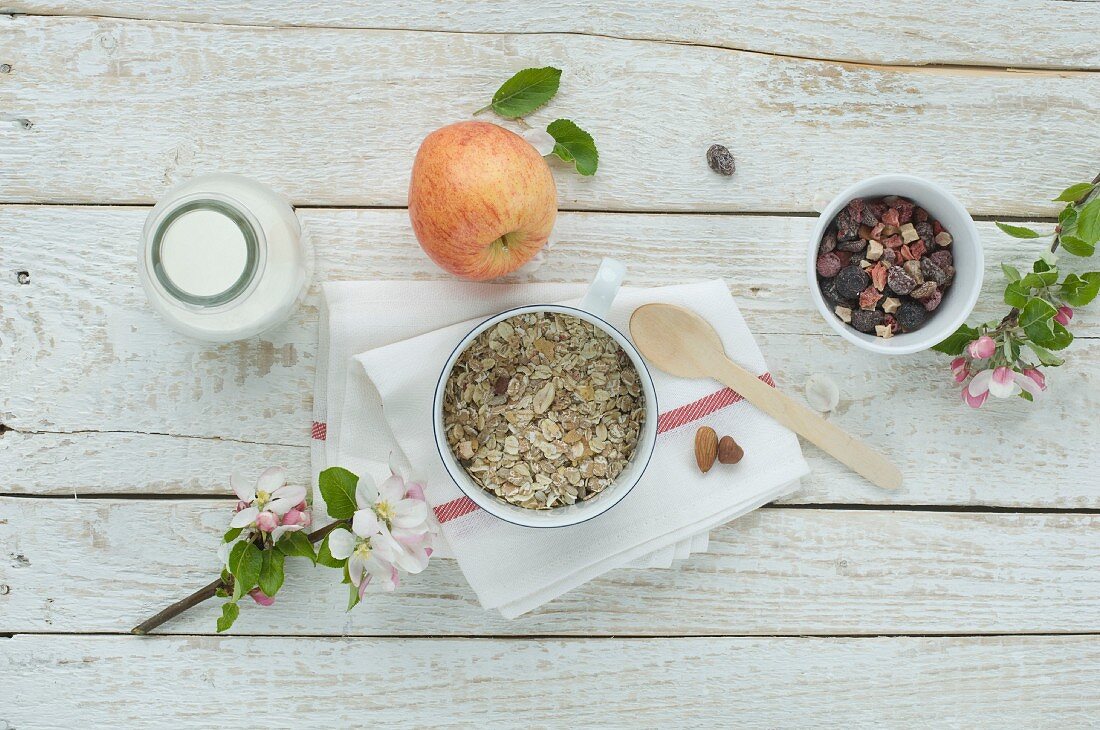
[593, 309]
[966, 250]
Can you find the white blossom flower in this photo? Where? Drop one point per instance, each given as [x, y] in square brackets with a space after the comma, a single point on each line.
[271, 494]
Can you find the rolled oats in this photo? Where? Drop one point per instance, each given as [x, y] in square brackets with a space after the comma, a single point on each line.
[543, 409]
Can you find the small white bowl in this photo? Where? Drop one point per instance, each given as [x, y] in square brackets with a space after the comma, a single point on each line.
[966, 249]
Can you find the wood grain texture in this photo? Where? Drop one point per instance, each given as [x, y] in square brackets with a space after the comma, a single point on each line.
[940, 31]
[119, 110]
[81, 351]
[104, 565]
[767, 682]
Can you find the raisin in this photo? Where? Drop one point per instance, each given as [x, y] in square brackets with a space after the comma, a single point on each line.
[851, 281]
[865, 320]
[500, 386]
[924, 291]
[937, 229]
[868, 218]
[899, 281]
[828, 265]
[720, 159]
[853, 246]
[931, 272]
[828, 243]
[910, 316]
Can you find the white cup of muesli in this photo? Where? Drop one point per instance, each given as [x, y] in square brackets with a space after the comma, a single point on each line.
[545, 415]
[934, 262]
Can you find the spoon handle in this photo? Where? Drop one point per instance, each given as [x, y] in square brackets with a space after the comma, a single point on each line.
[842, 446]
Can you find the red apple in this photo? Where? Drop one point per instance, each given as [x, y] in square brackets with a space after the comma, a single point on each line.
[482, 200]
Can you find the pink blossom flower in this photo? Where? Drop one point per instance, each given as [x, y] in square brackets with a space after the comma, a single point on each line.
[974, 400]
[269, 493]
[982, 347]
[1002, 382]
[960, 369]
[1064, 315]
[260, 597]
[267, 521]
[1037, 378]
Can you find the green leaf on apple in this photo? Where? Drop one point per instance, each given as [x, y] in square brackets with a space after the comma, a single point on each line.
[575, 145]
[525, 92]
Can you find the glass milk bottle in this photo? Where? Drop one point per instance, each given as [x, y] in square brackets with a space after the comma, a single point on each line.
[222, 258]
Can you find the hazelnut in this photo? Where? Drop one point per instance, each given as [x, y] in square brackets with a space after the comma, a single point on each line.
[729, 451]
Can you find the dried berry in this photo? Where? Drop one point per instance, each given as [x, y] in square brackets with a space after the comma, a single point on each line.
[500, 385]
[924, 291]
[910, 316]
[899, 281]
[889, 257]
[720, 159]
[830, 294]
[933, 301]
[828, 242]
[869, 297]
[868, 219]
[904, 209]
[854, 246]
[865, 320]
[937, 228]
[828, 264]
[941, 258]
[918, 249]
[913, 269]
[924, 230]
[950, 272]
[846, 227]
[844, 256]
[932, 272]
[878, 208]
[864, 232]
[920, 215]
[893, 241]
[851, 281]
[878, 276]
[943, 239]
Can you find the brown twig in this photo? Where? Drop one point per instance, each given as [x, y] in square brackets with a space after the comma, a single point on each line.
[209, 590]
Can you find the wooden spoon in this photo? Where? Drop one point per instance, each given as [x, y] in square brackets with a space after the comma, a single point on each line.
[684, 344]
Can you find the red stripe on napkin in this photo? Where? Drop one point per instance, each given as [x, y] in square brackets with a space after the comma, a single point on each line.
[703, 407]
[665, 422]
[319, 431]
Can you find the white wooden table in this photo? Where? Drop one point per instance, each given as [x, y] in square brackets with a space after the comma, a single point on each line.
[971, 597]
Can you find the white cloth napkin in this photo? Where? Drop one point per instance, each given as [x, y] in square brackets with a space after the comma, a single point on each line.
[511, 568]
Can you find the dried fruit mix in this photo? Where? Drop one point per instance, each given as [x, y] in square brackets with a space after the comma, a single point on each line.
[884, 264]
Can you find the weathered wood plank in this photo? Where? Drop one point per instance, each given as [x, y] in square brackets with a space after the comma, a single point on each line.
[105, 565]
[939, 31]
[767, 682]
[118, 110]
[80, 351]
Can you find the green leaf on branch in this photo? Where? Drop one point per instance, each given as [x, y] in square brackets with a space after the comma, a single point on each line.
[296, 544]
[575, 145]
[1011, 349]
[1026, 396]
[1011, 272]
[1035, 318]
[1046, 357]
[1019, 231]
[1075, 246]
[1080, 290]
[1016, 294]
[525, 92]
[232, 534]
[338, 489]
[245, 561]
[1061, 339]
[271, 572]
[1074, 192]
[1039, 279]
[230, 612]
[957, 341]
[353, 596]
[324, 556]
[1088, 223]
[1041, 265]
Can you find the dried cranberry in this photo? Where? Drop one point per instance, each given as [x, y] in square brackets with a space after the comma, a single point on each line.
[933, 301]
[828, 264]
[892, 241]
[917, 248]
[905, 210]
[899, 281]
[910, 316]
[828, 243]
[941, 258]
[891, 218]
[855, 208]
[851, 281]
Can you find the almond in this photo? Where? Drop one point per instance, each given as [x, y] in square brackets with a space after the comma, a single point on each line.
[729, 451]
[706, 448]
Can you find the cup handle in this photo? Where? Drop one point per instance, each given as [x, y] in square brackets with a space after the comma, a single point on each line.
[605, 285]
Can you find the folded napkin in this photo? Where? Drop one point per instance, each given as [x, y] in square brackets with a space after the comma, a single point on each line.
[512, 568]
